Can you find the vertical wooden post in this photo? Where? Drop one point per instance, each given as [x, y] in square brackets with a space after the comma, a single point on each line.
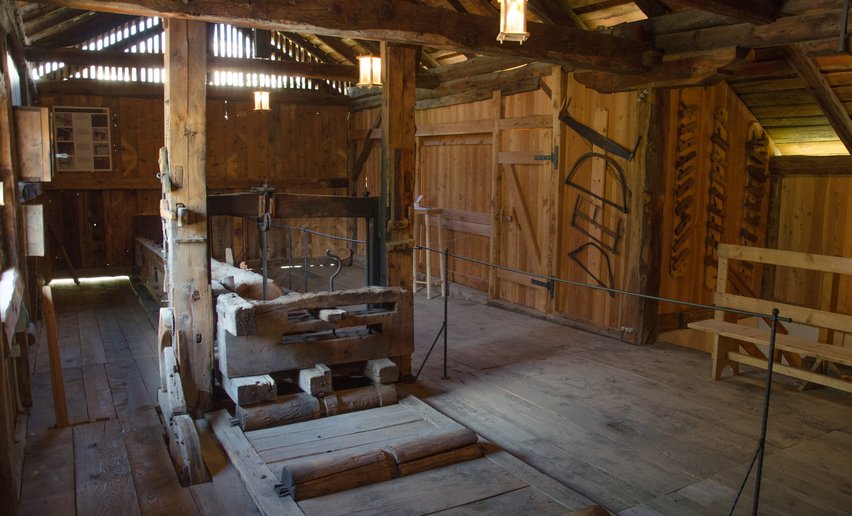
[399, 65]
[645, 248]
[496, 195]
[557, 188]
[188, 259]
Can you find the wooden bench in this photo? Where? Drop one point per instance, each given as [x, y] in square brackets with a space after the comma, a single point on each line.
[735, 344]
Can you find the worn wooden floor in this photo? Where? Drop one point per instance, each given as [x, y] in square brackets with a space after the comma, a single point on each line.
[638, 430]
[112, 460]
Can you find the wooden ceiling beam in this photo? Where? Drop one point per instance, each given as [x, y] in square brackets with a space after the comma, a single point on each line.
[833, 108]
[153, 90]
[73, 56]
[309, 46]
[758, 12]
[678, 71]
[652, 8]
[784, 31]
[340, 47]
[402, 22]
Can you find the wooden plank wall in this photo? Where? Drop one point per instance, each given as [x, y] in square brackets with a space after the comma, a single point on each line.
[693, 276]
[455, 171]
[815, 216]
[297, 148]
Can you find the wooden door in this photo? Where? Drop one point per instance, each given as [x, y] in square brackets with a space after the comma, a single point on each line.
[525, 167]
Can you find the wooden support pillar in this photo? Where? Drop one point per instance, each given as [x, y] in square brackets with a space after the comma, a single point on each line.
[399, 65]
[396, 206]
[558, 92]
[188, 259]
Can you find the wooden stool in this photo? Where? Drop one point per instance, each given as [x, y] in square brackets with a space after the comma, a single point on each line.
[426, 214]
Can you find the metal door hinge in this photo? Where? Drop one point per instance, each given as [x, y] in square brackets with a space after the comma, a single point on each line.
[550, 285]
[554, 158]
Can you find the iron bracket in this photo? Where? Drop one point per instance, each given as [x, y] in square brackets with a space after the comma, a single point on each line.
[554, 157]
[550, 285]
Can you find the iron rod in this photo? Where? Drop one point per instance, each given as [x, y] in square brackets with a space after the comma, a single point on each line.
[761, 445]
[607, 289]
[290, 257]
[305, 264]
[446, 259]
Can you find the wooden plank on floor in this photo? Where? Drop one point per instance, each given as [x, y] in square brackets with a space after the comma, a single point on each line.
[347, 444]
[103, 481]
[258, 479]
[91, 345]
[98, 395]
[75, 395]
[225, 493]
[566, 496]
[47, 483]
[326, 428]
[422, 493]
[520, 501]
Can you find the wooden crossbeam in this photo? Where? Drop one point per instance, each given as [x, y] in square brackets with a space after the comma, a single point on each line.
[73, 56]
[833, 108]
[652, 8]
[758, 12]
[401, 22]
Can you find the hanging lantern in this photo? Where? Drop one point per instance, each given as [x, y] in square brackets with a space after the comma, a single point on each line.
[369, 71]
[513, 21]
[261, 100]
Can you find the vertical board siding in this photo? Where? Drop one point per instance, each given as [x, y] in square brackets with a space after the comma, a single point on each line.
[98, 215]
[815, 217]
[691, 285]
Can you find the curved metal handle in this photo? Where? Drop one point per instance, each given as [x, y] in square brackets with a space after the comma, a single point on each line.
[335, 273]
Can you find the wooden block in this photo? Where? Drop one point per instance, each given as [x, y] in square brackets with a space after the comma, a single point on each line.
[185, 450]
[360, 398]
[317, 477]
[236, 315]
[164, 340]
[174, 386]
[286, 409]
[440, 460]
[316, 381]
[332, 314]
[382, 370]
[433, 444]
[246, 390]
[165, 408]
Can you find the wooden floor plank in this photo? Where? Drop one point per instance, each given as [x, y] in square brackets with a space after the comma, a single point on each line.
[521, 501]
[225, 493]
[423, 493]
[333, 428]
[47, 483]
[256, 476]
[103, 481]
[362, 441]
[91, 345]
[75, 395]
[98, 395]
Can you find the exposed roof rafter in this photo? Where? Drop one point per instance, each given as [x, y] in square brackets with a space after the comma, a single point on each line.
[758, 12]
[402, 22]
[833, 108]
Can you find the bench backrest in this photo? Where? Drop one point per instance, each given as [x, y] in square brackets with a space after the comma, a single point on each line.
[809, 261]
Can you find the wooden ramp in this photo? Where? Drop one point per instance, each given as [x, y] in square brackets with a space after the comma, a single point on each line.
[405, 458]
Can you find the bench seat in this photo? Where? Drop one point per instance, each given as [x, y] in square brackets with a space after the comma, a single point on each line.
[827, 352]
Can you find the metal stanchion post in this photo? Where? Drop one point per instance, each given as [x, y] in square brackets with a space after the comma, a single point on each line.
[305, 264]
[762, 443]
[446, 297]
[290, 257]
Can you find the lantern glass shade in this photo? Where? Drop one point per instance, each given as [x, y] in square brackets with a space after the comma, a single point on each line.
[513, 21]
[261, 100]
[369, 71]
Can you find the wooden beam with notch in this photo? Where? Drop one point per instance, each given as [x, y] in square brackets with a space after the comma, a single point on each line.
[758, 12]
[678, 71]
[783, 31]
[401, 22]
[833, 108]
